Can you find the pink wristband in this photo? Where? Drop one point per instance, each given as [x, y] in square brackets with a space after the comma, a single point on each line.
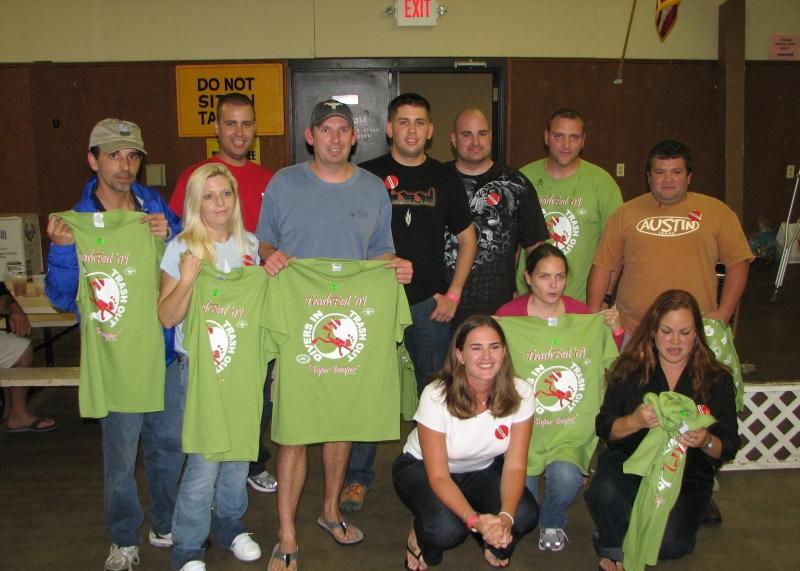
[471, 521]
[618, 332]
[453, 297]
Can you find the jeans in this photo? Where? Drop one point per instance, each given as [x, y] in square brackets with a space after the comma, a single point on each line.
[426, 341]
[610, 499]
[266, 417]
[212, 499]
[359, 470]
[439, 529]
[163, 461]
[204, 483]
[563, 481]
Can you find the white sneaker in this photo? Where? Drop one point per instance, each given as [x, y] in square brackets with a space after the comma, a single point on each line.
[263, 482]
[122, 558]
[194, 566]
[160, 540]
[552, 539]
[244, 548]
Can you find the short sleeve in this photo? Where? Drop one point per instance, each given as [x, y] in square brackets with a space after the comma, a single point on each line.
[432, 412]
[610, 248]
[172, 256]
[609, 197]
[732, 243]
[532, 225]
[459, 216]
[266, 229]
[275, 320]
[526, 407]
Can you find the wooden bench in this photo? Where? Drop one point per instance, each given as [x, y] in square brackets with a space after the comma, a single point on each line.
[40, 377]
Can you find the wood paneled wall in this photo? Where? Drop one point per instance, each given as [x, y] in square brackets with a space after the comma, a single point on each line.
[656, 101]
[772, 140]
[48, 110]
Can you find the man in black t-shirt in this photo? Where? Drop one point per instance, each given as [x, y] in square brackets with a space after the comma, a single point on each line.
[427, 198]
[506, 211]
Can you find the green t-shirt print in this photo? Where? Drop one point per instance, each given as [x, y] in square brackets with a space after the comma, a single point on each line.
[565, 361]
[338, 323]
[122, 344]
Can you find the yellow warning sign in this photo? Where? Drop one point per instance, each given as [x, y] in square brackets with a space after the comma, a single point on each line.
[200, 86]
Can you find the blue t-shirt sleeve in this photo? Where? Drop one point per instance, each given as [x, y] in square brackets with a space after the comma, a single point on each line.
[266, 230]
[381, 241]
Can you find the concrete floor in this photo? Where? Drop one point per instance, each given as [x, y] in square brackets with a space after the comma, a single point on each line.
[51, 505]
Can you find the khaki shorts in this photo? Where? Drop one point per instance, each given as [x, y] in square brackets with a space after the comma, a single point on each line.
[11, 349]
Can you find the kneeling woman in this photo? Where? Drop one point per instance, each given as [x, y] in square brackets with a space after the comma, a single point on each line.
[667, 353]
[462, 470]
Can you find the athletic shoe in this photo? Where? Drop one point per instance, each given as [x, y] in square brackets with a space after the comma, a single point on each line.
[160, 539]
[122, 558]
[244, 548]
[352, 497]
[194, 566]
[263, 482]
[552, 539]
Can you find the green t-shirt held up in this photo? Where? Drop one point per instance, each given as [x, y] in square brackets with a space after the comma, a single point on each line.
[229, 348]
[564, 359]
[122, 344]
[338, 323]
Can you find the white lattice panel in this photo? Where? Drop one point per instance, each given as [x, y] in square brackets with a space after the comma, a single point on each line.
[770, 427]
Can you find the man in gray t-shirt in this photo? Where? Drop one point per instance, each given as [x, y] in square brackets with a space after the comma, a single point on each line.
[326, 207]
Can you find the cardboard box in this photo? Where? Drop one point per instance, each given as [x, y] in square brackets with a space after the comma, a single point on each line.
[20, 243]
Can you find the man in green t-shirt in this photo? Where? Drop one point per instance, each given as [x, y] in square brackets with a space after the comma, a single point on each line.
[577, 197]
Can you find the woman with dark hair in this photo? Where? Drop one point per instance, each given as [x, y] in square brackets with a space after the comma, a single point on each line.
[668, 353]
[462, 470]
[546, 272]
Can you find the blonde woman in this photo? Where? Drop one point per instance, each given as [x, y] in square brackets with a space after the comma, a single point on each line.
[212, 232]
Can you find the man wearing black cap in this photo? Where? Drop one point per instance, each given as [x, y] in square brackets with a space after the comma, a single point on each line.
[116, 151]
[323, 208]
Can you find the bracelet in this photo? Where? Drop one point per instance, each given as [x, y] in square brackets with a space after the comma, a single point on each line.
[471, 521]
[511, 517]
[618, 332]
[453, 297]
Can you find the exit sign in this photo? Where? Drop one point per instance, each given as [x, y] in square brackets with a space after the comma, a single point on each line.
[416, 12]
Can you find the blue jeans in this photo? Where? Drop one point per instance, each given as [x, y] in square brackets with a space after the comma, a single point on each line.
[427, 341]
[437, 528]
[362, 457]
[563, 481]
[163, 461]
[206, 485]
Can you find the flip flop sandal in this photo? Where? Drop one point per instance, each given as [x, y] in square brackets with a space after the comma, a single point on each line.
[285, 558]
[417, 556]
[34, 426]
[331, 526]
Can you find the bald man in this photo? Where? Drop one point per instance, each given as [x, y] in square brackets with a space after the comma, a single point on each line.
[506, 211]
